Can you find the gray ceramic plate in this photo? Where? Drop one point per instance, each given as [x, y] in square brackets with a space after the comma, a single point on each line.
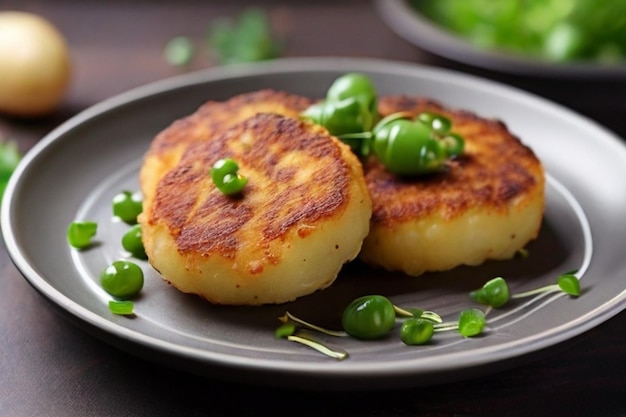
[408, 23]
[75, 171]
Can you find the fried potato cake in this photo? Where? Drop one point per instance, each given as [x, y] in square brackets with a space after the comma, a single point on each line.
[487, 204]
[211, 119]
[303, 213]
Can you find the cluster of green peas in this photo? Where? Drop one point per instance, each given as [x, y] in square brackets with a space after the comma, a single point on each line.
[122, 279]
[404, 144]
[374, 317]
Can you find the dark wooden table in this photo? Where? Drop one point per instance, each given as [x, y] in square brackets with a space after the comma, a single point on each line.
[48, 367]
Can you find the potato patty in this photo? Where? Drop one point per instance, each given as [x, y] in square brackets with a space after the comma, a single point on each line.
[303, 213]
[487, 204]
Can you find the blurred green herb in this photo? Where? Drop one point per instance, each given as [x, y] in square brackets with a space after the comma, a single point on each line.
[246, 37]
[179, 51]
[555, 30]
[9, 158]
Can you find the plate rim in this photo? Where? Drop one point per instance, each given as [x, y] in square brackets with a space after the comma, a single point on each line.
[319, 370]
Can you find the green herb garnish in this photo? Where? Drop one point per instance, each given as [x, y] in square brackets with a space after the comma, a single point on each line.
[9, 158]
[179, 51]
[247, 38]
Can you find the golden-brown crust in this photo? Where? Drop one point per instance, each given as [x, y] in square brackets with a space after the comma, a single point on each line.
[297, 175]
[211, 119]
[494, 170]
[217, 116]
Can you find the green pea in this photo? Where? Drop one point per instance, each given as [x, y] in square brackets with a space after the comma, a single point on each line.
[436, 122]
[369, 317]
[357, 86]
[340, 117]
[494, 292]
[132, 242]
[407, 148]
[122, 279]
[127, 207]
[224, 174]
[416, 331]
[80, 233]
[471, 322]
[350, 107]
[285, 330]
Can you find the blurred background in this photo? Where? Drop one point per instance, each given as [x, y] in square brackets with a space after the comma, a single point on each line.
[119, 44]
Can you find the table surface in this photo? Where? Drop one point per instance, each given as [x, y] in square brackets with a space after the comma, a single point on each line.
[50, 367]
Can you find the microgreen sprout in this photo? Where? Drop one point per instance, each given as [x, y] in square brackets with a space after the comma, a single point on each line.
[496, 293]
[568, 283]
[366, 318]
[290, 317]
[339, 355]
[289, 330]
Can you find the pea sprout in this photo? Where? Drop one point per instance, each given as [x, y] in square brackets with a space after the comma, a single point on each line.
[367, 318]
[319, 347]
[290, 317]
[568, 283]
[288, 330]
[496, 293]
